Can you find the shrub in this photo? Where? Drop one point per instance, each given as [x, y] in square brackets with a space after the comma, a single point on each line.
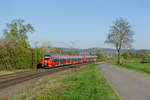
[128, 55]
[100, 56]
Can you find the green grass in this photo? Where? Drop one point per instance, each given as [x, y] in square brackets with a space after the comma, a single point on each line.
[131, 61]
[5, 72]
[143, 68]
[12, 71]
[87, 84]
[135, 65]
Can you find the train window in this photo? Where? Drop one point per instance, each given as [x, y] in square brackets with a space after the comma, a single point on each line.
[61, 60]
[67, 59]
[76, 59]
[64, 60]
[55, 59]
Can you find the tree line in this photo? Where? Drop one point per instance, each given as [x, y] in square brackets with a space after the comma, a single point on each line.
[142, 54]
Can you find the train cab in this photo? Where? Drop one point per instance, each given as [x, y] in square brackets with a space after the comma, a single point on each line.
[47, 61]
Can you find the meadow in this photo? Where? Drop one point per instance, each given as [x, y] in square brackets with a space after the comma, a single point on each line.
[135, 65]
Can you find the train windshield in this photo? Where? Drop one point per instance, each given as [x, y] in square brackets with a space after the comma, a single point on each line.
[46, 57]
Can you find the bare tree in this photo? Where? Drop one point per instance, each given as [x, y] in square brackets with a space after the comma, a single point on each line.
[120, 35]
[47, 46]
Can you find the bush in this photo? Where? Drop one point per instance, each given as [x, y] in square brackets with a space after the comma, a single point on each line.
[128, 55]
[141, 54]
[100, 56]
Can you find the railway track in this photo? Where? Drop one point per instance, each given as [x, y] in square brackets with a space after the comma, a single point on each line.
[12, 79]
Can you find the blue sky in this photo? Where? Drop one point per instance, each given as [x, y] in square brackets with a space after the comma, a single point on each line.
[84, 22]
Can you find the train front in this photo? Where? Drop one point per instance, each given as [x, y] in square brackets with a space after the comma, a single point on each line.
[47, 61]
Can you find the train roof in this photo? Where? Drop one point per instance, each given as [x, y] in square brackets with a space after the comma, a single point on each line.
[67, 55]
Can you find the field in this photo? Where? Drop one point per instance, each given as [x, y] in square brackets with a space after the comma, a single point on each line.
[86, 83]
[142, 68]
[136, 65]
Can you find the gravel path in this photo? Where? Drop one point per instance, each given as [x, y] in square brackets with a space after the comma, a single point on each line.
[130, 85]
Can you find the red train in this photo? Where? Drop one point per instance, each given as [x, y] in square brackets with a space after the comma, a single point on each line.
[53, 60]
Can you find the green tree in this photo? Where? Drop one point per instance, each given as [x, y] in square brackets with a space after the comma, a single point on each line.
[18, 31]
[100, 55]
[4, 58]
[120, 35]
[17, 54]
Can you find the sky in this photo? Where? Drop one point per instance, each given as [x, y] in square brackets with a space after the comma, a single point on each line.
[78, 23]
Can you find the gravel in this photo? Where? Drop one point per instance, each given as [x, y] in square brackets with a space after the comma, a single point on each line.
[8, 92]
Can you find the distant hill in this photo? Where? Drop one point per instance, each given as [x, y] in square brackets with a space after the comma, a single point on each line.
[93, 51]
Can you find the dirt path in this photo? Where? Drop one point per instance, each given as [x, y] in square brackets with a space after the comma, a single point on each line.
[130, 85]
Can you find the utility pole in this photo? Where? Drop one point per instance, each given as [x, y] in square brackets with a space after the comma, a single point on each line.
[36, 54]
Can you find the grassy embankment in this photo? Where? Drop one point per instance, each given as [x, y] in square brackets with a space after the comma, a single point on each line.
[135, 65]
[12, 71]
[86, 84]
